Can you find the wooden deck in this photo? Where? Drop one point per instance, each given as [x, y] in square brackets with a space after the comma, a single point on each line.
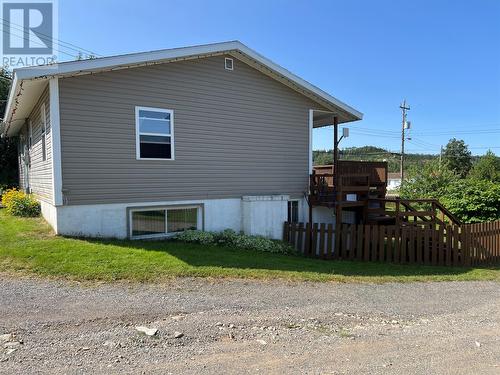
[357, 183]
[362, 187]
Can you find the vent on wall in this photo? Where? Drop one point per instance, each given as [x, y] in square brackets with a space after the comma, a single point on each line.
[228, 63]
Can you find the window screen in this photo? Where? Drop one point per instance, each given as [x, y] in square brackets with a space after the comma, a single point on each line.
[179, 220]
[145, 223]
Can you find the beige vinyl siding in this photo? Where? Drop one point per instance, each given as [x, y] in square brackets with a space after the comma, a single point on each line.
[236, 133]
[40, 171]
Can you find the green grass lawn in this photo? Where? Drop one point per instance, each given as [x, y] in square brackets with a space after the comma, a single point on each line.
[28, 246]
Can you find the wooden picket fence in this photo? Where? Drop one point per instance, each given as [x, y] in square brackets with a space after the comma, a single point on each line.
[443, 245]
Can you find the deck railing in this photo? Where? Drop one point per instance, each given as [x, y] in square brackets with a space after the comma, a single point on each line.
[355, 177]
[413, 210]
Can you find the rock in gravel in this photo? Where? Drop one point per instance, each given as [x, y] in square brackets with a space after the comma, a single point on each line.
[147, 331]
[261, 342]
[219, 324]
[177, 317]
[6, 337]
[478, 344]
[12, 344]
[178, 335]
[10, 351]
[231, 326]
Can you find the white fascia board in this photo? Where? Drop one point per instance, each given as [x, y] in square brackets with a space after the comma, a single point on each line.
[156, 57]
[10, 99]
[133, 59]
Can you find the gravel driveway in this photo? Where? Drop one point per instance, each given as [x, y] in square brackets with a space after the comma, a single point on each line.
[239, 327]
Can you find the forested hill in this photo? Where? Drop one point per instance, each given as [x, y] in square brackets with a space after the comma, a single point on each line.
[371, 153]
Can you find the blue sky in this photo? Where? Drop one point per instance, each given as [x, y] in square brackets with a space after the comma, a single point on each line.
[442, 56]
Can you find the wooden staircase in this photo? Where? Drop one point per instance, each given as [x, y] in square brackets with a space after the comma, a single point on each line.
[362, 188]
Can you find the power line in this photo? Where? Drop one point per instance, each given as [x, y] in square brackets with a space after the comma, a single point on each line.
[471, 132]
[422, 143]
[377, 130]
[40, 44]
[374, 134]
[58, 41]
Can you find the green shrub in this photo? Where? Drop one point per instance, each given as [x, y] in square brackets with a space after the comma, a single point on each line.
[18, 203]
[230, 238]
[473, 201]
[196, 236]
[227, 237]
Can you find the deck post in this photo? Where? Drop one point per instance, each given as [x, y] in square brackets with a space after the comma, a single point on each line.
[398, 214]
[310, 218]
[338, 211]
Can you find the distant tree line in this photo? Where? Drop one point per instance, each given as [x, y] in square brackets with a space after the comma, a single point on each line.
[372, 153]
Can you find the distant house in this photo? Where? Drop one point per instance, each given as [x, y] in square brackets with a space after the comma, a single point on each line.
[148, 144]
[393, 181]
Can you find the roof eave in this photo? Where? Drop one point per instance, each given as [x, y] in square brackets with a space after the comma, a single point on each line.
[161, 56]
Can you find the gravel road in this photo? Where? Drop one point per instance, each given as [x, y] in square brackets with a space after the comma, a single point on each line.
[240, 327]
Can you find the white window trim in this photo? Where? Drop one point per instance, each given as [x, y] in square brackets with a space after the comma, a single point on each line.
[138, 133]
[225, 63]
[43, 115]
[199, 220]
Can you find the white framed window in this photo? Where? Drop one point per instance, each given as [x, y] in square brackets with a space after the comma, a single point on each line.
[151, 222]
[44, 131]
[154, 130]
[229, 63]
[293, 211]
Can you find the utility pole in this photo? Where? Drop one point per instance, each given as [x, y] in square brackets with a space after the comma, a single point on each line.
[404, 107]
[335, 150]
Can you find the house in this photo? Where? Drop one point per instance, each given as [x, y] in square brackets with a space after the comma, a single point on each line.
[393, 181]
[148, 144]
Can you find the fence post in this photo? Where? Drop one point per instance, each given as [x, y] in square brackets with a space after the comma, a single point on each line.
[322, 241]
[336, 250]
[314, 242]
[300, 238]
[307, 245]
[381, 244]
[329, 242]
[366, 256]
[359, 242]
[285, 232]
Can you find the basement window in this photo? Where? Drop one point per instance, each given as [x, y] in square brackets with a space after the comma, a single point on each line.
[228, 63]
[161, 222]
[154, 133]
